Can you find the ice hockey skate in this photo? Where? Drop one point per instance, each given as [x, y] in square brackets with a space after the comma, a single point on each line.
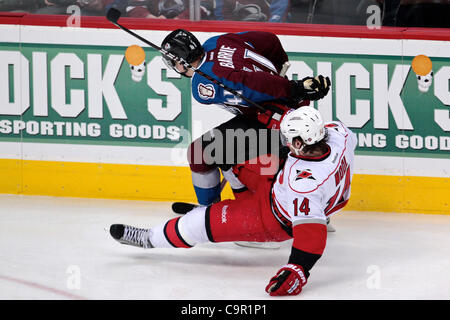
[330, 228]
[130, 235]
[183, 207]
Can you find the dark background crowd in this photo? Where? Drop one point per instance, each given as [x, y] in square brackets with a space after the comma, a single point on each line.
[400, 13]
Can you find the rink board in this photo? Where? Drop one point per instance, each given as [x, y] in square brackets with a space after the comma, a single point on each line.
[72, 123]
[162, 183]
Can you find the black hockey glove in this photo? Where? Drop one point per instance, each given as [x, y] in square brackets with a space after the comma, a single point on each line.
[310, 88]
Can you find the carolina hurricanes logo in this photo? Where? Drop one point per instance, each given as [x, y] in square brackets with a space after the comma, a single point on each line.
[304, 174]
[206, 91]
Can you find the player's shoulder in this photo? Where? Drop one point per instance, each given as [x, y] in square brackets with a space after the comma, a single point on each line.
[340, 134]
[204, 90]
[211, 43]
[266, 35]
[337, 127]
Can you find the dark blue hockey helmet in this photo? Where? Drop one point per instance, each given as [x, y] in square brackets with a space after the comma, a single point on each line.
[182, 44]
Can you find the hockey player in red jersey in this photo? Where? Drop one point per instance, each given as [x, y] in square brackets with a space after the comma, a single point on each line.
[249, 63]
[313, 184]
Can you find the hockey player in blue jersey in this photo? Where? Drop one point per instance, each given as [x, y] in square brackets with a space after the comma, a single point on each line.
[250, 63]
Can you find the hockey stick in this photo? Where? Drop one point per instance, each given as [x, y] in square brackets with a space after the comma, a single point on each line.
[113, 15]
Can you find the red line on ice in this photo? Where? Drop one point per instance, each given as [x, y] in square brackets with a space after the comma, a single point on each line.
[42, 287]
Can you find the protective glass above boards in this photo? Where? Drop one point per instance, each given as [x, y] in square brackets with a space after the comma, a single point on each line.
[372, 13]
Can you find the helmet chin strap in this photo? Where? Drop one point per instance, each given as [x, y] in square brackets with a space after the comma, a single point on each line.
[184, 74]
[186, 70]
[296, 151]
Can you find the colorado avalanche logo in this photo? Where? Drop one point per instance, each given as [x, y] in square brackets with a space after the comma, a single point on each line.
[305, 174]
[206, 91]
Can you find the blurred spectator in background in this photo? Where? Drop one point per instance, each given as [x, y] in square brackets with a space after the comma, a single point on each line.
[416, 13]
[280, 10]
[20, 5]
[167, 9]
[179, 9]
[161, 9]
[93, 7]
[242, 10]
[400, 13]
[252, 10]
[390, 9]
[138, 9]
[88, 7]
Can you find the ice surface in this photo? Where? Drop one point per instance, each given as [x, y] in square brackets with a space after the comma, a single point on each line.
[60, 248]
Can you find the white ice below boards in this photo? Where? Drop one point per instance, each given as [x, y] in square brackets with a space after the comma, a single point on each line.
[59, 248]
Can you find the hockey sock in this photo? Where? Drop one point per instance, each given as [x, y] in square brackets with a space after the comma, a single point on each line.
[234, 182]
[181, 232]
[239, 189]
[206, 186]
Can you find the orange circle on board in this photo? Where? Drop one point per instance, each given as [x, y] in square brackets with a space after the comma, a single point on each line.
[421, 65]
[135, 55]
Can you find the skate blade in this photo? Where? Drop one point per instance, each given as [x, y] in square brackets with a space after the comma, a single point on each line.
[259, 245]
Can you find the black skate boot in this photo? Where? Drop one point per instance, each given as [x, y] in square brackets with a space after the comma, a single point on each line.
[132, 236]
[183, 207]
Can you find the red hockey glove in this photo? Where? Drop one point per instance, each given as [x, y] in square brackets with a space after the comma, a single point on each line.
[271, 118]
[288, 281]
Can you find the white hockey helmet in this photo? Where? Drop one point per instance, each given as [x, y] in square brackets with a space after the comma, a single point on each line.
[304, 122]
